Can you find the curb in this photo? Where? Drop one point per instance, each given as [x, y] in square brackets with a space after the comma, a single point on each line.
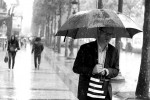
[68, 78]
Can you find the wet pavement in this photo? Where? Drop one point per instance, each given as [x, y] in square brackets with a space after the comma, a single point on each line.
[26, 83]
[122, 90]
[55, 79]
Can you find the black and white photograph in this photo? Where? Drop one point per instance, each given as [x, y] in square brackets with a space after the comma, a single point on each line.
[74, 49]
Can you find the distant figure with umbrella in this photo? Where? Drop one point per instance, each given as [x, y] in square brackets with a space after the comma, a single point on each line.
[98, 61]
[37, 49]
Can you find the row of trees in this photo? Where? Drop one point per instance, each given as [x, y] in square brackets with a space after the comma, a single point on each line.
[47, 16]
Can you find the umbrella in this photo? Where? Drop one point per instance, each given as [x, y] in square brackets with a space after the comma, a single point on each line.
[84, 24]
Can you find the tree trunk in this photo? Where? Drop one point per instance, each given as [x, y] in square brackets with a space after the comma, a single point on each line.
[71, 47]
[71, 42]
[120, 5]
[55, 33]
[9, 27]
[142, 89]
[48, 30]
[78, 39]
[59, 38]
[100, 4]
[51, 33]
[66, 41]
[118, 39]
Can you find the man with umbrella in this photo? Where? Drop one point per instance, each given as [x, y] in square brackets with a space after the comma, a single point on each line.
[94, 58]
[37, 49]
[97, 62]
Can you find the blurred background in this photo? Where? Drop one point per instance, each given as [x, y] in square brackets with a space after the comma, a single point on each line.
[30, 18]
[27, 19]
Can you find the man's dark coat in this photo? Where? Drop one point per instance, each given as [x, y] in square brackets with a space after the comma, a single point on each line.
[85, 61]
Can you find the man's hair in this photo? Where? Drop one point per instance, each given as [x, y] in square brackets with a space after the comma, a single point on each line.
[105, 28]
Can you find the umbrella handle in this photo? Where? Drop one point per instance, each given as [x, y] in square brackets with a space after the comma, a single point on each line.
[64, 38]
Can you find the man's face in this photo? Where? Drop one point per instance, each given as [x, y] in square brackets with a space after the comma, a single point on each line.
[105, 35]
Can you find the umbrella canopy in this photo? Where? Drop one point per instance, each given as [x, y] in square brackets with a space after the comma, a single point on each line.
[84, 24]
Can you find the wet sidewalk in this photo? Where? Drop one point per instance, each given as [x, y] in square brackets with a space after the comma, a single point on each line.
[26, 83]
[55, 80]
[124, 90]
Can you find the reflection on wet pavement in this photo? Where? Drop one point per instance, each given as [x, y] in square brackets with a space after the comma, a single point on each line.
[129, 68]
[26, 83]
[55, 79]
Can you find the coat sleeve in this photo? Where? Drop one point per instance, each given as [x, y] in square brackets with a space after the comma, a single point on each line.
[79, 66]
[114, 70]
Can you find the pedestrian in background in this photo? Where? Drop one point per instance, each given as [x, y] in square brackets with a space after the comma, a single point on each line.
[12, 48]
[37, 49]
[98, 58]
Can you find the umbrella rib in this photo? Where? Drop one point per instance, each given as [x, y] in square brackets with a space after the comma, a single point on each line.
[66, 36]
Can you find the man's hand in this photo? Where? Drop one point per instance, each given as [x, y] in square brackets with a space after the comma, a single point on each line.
[103, 72]
[98, 69]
